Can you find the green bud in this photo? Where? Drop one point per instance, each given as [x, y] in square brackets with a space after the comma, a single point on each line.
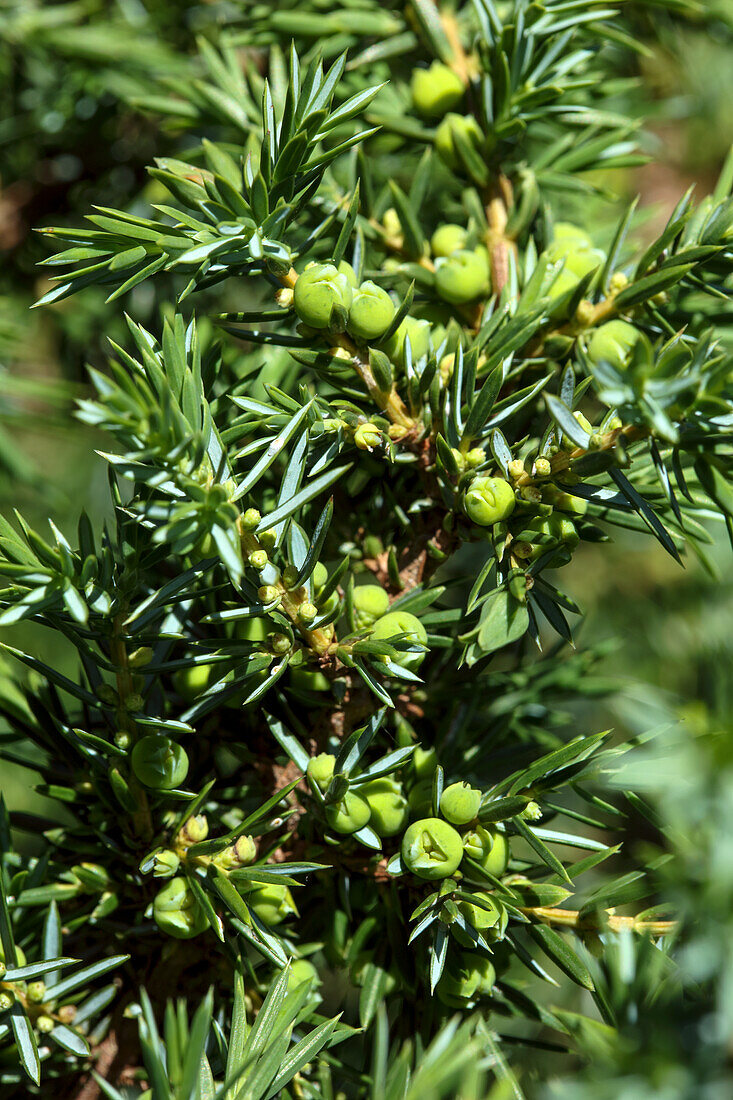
[402, 622]
[462, 277]
[251, 519]
[489, 500]
[272, 904]
[435, 90]
[268, 593]
[322, 297]
[19, 954]
[532, 812]
[447, 239]
[431, 848]
[551, 530]
[35, 992]
[613, 343]
[258, 559]
[7, 1000]
[320, 575]
[320, 769]
[159, 763]
[194, 830]
[370, 603]
[459, 803]
[475, 457]
[465, 981]
[350, 814]
[45, 1025]
[371, 314]
[165, 863]
[542, 467]
[445, 144]
[367, 437]
[307, 612]
[489, 848]
[570, 236]
[565, 502]
[140, 657]
[239, 854]
[418, 333]
[387, 804]
[280, 644]
[309, 679]
[177, 912]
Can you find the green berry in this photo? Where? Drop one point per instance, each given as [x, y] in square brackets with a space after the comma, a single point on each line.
[308, 680]
[159, 763]
[370, 603]
[320, 769]
[551, 530]
[177, 911]
[272, 904]
[418, 333]
[447, 239]
[489, 848]
[462, 277]
[387, 805]
[445, 143]
[435, 90]
[465, 981]
[19, 954]
[350, 814]
[320, 575]
[565, 502]
[580, 263]
[420, 798]
[371, 314]
[192, 682]
[402, 622]
[571, 236]
[424, 763]
[302, 971]
[459, 803]
[479, 917]
[431, 848]
[489, 500]
[613, 343]
[322, 297]
[346, 269]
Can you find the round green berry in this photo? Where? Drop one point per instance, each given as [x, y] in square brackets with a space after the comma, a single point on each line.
[19, 954]
[372, 311]
[489, 848]
[420, 798]
[489, 500]
[447, 239]
[320, 769]
[466, 980]
[459, 803]
[435, 90]
[481, 916]
[302, 971]
[272, 904]
[177, 911]
[462, 277]
[417, 331]
[370, 603]
[350, 814]
[431, 848]
[402, 622]
[159, 763]
[613, 343]
[308, 680]
[322, 297]
[565, 234]
[346, 269]
[424, 762]
[387, 804]
[445, 137]
[192, 682]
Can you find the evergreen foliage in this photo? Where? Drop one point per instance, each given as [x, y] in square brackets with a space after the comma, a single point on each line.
[318, 726]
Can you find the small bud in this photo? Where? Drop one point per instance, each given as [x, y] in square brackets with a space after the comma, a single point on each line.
[3, 970]
[290, 576]
[320, 769]
[279, 643]
[585, 312]
[194, 830]
[475, 457]
[284, 297]
[531, 493]
[45, 1024]
[268, 593]
[239, 854]
[66, 1014]
[542, 467]
[251, 519]
[367, 437]
[340, 353]
[370, 603]
[459, 457]
[134, 702]
[107, 694]
[615, 424]
[36, 991]
[531, 812]
[268, 538]
[140, 657]
[165, 864]
[307, 612]
[7, 1000]
[397, 431]
[123, 740]
[522, 549]
[516, 468]
[258, 559]
[619, 281]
